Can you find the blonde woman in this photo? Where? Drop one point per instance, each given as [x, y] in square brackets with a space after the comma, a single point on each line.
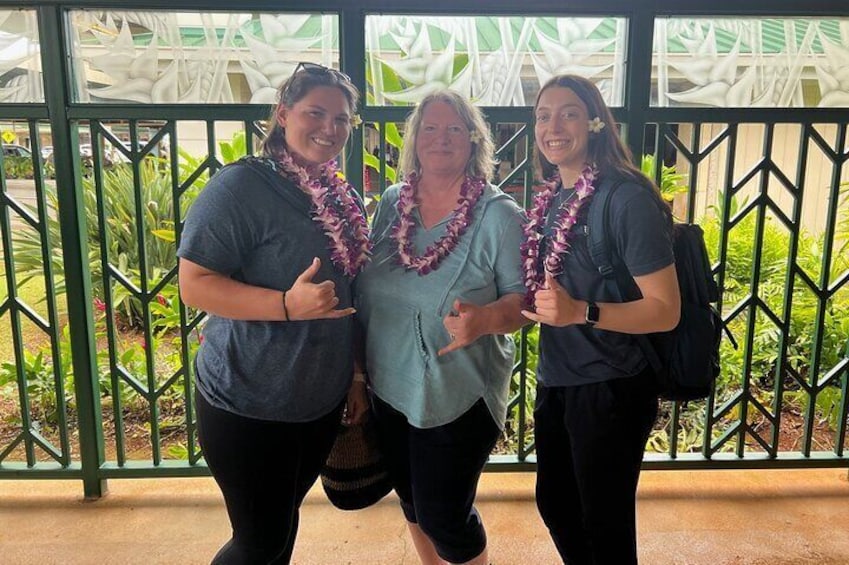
[443, 288]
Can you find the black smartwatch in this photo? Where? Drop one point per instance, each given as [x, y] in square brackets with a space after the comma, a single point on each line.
[592, 314]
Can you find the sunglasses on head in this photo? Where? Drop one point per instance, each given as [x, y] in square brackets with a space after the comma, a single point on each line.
[316, 69]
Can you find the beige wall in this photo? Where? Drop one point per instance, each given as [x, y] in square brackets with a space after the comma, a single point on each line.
[192, 137]
[750, 150]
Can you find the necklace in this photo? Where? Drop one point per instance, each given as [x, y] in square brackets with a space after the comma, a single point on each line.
[334, 209]
[558, 244]
[405, 227]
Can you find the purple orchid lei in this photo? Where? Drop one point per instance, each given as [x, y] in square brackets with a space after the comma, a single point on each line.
[335, 210]
[405, 227]
[559, 242]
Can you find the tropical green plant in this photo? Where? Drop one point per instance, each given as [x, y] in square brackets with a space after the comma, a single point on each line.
[690, 433]
[672, 183]
[234, 149]
[532, 357]
[739, 267]
[40, 383]
[774, 248]
[121, 228]
[531, 361]
[393, 139]
[119, 205]
[166, 309]
[15, 167]
[842, 232]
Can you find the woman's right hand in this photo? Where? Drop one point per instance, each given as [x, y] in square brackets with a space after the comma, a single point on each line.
[554, 306]
[356, 405]
[307, 300]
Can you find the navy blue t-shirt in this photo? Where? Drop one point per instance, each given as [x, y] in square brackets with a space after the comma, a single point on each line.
[579, 354]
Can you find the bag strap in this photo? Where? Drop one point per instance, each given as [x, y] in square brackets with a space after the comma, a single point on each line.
[597, 238]
[603, 257]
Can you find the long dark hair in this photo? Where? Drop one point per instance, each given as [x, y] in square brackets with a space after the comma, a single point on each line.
[612, 157]
[303, 80]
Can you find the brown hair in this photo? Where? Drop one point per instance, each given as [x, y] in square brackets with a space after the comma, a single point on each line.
[294, 88]
[612, 157]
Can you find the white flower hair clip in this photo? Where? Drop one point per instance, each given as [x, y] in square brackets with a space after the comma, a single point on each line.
[474, 137]
[356, 121]
[596, 125]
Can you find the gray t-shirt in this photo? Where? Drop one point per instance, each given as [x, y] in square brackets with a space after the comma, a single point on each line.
[252, 225]
[578, 354]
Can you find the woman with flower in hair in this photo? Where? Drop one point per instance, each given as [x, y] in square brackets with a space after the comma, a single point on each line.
[269, 251]
[443, 287]
[596, 402]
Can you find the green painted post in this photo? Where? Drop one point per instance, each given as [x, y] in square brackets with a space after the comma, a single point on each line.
[74, 249]
[352, 54]
[844, 409]
[638, 78]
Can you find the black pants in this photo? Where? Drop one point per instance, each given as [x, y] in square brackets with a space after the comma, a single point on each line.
[435, 472]
[590, 441]
[264, 469]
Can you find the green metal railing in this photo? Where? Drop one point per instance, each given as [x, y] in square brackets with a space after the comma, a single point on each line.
[104, 389]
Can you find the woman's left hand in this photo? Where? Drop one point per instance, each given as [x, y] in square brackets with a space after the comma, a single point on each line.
[464, 324]
[357, 404]
[554, 306]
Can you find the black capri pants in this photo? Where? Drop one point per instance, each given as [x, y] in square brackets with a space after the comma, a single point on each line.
[435, 472]
[264, 470]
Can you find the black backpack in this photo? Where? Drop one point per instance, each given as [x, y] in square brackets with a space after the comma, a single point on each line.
[686, 359]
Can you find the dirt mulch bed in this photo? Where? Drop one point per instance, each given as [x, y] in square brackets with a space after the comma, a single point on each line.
[137, 441]
[136, 426]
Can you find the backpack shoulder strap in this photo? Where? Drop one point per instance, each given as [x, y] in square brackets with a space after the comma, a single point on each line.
[598, 228]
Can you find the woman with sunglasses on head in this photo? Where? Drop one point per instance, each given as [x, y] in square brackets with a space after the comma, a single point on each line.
[443, 286]
[596, 401]
[269, 250]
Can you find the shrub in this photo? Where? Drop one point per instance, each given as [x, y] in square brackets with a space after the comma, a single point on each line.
[15, 167]
[121, 233]
[738, 271]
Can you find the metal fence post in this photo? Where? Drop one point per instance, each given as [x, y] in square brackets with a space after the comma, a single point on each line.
[74, 249]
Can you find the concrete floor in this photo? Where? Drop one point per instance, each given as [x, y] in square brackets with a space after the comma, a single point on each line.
[685, 517]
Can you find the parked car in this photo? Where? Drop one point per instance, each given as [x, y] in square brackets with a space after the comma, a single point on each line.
[111, 154]
[11, 150]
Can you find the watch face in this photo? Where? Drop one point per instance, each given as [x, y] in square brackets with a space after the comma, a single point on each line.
[592, 313]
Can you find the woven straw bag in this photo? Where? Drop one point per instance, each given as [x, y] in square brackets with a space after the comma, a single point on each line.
[355, 474]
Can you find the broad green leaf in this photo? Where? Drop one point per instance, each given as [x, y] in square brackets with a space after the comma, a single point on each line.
[373, 162]
[393, 136]
[165, 235]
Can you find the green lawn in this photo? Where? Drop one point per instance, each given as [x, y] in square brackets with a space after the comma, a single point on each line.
[32, 293]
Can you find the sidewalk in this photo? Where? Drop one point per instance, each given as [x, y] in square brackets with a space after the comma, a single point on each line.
[685, 517]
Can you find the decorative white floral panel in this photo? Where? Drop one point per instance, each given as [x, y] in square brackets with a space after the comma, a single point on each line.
[181, 57]
[748, 62]
[495, 61]
[20, 58]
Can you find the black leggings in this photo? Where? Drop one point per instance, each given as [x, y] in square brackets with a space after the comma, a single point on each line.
[264, 469]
